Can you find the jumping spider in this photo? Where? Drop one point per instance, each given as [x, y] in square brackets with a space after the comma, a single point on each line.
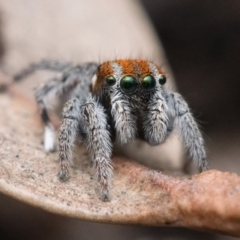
[120, 99]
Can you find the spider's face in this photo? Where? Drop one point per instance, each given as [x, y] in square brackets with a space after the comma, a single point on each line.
[134, 78]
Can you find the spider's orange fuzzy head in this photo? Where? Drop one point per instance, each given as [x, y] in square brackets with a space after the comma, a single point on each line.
[129, 75]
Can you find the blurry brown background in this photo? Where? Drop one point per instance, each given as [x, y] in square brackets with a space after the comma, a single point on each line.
[202, 44]
[201, 40]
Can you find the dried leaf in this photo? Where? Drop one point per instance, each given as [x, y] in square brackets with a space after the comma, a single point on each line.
[208, 201]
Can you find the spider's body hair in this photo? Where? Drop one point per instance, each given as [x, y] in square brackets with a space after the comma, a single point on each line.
[98, 111]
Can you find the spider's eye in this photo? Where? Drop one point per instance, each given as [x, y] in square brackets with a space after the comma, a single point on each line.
[148, 83]
[128, 84]
[162, 80]
[110, 80]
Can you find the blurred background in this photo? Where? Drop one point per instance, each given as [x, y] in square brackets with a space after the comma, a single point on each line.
[202, 43]
[201, 40]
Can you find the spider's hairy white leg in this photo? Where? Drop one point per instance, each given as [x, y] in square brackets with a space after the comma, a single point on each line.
[155, 120]
[125, 121]
[189, 130]
[52, 87]
[67, 135]
[49, 138]
[98, 143]
[76, 79]
[45, 64]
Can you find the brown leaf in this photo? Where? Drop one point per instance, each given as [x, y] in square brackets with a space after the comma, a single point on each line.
[208, 201]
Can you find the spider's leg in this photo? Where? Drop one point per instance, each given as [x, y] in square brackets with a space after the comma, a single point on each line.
[189, 130]
[45, 64]
[155, 120]
[67, 135]
[77, 80]
[98, 143]
[54, 87]
[125, 121]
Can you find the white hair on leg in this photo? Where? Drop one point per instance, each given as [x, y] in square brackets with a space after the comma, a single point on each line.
[49, 139]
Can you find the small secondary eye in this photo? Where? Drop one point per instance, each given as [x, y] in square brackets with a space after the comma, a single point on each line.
[128, 84]
[110, 80]
[148, 83]
[162, 80]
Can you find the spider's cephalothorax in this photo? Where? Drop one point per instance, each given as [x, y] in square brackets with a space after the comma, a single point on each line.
[133, 92]
[120, 99]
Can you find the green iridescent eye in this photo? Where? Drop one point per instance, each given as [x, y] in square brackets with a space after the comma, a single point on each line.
[128, 84]
[162, 80]
[110, 80]
[148, 83]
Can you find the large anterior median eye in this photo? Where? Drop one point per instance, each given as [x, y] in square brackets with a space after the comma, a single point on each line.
[148, 83]
[110, 80]
[128, 84]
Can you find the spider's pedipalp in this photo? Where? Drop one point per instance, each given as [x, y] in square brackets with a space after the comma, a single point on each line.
[155, 120]
[189, 130]
[125, 121]
[98, 143]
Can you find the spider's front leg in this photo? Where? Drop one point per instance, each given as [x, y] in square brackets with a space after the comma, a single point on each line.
[189, 130]
[98, 143]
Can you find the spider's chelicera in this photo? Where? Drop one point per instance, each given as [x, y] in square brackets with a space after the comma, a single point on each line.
[106, 103]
